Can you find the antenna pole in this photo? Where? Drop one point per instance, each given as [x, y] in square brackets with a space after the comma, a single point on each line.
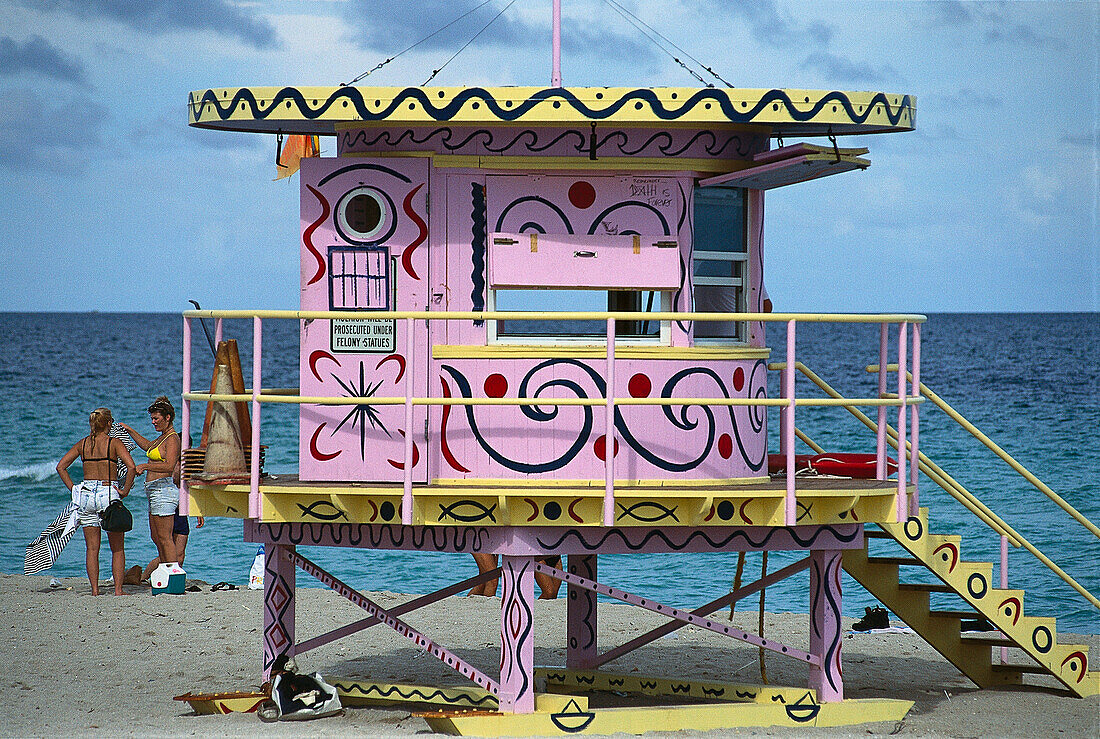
[555, 72]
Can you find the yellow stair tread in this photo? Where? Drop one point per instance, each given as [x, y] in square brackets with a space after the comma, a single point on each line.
[895, 561]
[930, 587]
[1029, 668]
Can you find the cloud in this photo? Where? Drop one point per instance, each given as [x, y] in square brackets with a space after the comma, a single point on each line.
[38, 56]
[1083, 140]
[393, 26]
[55, 135]
[844, 71]
[766, 21]
[633, 51]
[988, 21]
[939, 133]
[1054, 191]
[1017, 34]
[169, 131]
[1034, 196]
[820, 32]
[164, 16]
[762, 16]
[950, 13]
[970, 98]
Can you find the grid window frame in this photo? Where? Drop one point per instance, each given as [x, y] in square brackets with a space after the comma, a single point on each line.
[359, 278]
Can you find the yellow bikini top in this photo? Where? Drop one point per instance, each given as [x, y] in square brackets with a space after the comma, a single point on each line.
[154, 451]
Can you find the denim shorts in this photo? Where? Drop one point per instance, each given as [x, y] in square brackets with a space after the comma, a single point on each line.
[164, 497]
[96, 493]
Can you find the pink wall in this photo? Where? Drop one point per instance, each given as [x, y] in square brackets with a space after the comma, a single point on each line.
[361, 442]
[586, 203]
[568, 442]
[440, 258]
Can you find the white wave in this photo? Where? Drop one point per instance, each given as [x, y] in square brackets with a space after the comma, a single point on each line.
[35, 472]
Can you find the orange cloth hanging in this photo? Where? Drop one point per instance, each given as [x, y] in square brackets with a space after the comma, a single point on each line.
[293, 151]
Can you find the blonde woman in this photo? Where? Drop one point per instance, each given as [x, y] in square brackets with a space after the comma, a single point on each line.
[160, 475]
[99, 455]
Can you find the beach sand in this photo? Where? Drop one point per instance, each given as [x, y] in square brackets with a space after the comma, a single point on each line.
[81, 665]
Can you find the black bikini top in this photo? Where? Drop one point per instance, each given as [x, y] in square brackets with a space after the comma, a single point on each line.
[87, 459]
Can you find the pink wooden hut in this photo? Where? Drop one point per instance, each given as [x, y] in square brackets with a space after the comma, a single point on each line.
[531, 326]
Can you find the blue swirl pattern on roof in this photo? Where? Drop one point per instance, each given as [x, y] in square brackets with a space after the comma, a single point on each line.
[415, 98]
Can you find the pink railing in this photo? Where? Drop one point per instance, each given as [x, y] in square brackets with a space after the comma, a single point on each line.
[907, 398]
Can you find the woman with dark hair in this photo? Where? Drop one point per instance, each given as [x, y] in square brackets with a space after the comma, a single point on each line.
[161, 472]
[99, 455]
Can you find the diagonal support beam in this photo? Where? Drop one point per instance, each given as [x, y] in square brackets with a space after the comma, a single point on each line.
[680, 615]
[412, 605]
[441, 653]
[704, 610]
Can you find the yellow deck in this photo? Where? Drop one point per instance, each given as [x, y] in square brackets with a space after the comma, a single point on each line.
[821, 500]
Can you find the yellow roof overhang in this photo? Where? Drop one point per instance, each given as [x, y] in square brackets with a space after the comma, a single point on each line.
[320, 110]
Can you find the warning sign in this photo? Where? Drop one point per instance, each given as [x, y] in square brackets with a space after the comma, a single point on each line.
[363, 335]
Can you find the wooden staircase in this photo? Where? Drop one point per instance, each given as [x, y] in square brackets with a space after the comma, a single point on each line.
[972, 581]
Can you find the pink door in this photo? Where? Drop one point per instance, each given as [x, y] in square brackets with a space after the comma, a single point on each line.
[364, 250]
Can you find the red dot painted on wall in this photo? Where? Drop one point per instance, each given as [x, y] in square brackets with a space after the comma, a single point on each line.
[582, 194]
[725, 446]
[639, 386]
[738, 379]
[600, 447]
[496, 386]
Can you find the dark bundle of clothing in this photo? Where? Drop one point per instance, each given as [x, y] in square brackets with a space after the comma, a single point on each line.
[296, 696]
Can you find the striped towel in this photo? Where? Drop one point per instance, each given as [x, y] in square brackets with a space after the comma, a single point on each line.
[44, 551]
[117, 432]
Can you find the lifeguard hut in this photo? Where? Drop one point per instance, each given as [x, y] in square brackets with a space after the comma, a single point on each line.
[532, 325]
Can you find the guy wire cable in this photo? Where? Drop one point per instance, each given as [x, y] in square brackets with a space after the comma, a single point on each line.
[410, 48]
[437, 71]
[625, 13]
[635, 22]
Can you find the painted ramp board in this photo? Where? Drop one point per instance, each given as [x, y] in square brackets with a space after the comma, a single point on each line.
[574, 719]
[561, 678]
[220, 703]
[365, 693]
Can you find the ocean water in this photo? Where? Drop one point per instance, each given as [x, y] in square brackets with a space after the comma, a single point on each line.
[1029, 381]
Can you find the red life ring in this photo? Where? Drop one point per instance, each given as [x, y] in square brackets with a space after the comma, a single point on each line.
[777, 463]
[861, 466]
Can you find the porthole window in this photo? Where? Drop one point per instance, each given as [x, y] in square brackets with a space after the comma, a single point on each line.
[365, 215]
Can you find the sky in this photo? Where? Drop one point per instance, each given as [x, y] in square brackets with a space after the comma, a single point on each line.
[112, 203]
